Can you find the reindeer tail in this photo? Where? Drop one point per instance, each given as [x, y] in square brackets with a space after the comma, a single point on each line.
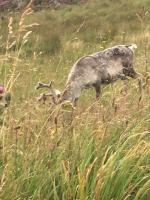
[132, 47]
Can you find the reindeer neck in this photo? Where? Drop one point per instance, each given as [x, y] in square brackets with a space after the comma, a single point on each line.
[71, 92]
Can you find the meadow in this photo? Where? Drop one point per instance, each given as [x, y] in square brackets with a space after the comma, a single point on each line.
[100, 150]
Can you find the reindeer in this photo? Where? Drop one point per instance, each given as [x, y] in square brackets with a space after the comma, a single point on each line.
[94, 70]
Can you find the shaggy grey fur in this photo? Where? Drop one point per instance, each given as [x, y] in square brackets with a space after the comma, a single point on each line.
[103, 67]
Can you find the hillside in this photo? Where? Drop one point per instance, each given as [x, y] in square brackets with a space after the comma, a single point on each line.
[36, 4]
[100, 150]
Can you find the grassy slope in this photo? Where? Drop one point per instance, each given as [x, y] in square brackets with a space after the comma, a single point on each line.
[103, 151]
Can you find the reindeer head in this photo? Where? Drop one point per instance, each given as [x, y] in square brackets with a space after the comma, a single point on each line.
[131, 73]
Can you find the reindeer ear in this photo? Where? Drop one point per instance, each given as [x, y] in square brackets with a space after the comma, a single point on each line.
[132, 47]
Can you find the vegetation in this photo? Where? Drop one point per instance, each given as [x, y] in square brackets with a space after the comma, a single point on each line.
[100, 150]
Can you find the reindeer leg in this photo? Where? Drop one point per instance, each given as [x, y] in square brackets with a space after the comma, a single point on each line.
[97, 89]
[75, 103]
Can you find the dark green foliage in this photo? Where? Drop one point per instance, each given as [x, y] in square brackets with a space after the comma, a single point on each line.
[49, 44]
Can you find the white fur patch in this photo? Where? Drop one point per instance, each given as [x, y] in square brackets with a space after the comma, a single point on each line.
[114, 68]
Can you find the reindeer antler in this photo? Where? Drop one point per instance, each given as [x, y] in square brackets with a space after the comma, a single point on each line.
[44, 96]
[43, 85]
[53, 92]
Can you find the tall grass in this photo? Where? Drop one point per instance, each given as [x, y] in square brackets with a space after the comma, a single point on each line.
[101, 150]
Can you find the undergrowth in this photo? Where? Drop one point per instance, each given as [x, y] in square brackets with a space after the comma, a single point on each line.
[100, 150]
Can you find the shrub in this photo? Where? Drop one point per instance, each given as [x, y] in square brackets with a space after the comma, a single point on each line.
[49, 44]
